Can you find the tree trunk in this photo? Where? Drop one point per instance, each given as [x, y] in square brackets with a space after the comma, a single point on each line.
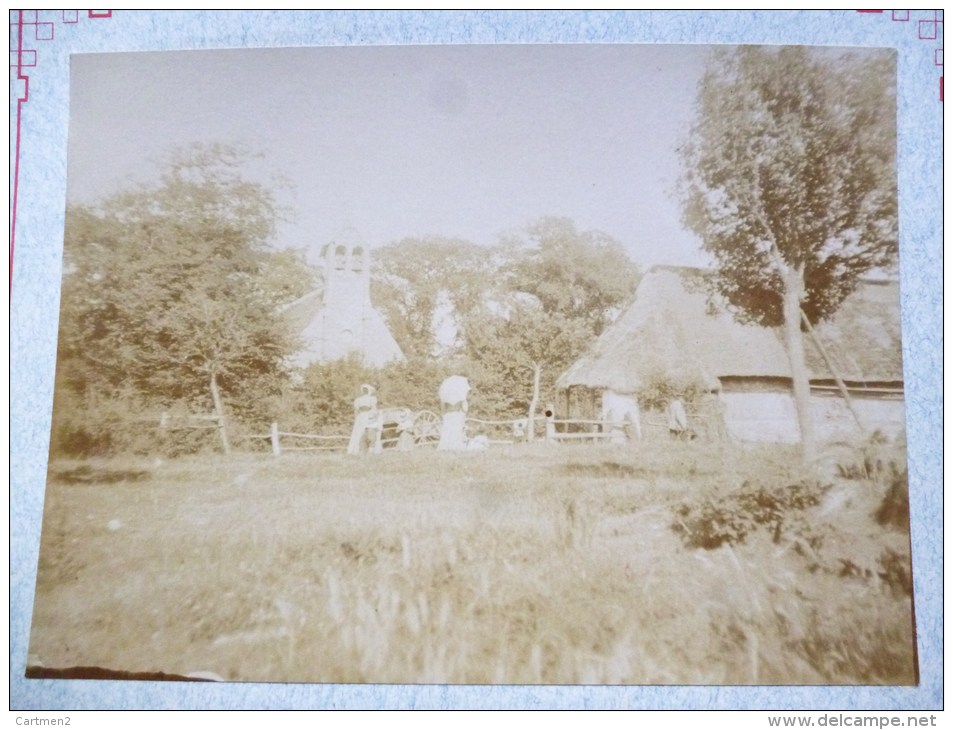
[220, 412]
[845, 394]
[531, 430]
[794, 344]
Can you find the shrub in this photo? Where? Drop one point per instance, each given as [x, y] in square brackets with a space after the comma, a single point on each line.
[895, 571]
[730, 520]
[661, 389]
[884, 466]
[894, 509]
[102, 426]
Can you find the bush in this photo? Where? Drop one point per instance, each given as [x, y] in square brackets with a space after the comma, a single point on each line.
[661, 389]
[884, 465]
[323, 402]
[731, 519]
[895, 571]
[103, 426]
[894, 509]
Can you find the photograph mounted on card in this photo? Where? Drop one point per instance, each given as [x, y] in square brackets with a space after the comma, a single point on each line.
[495, 364]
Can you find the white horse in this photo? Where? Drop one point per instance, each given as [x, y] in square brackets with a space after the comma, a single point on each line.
[622, 412]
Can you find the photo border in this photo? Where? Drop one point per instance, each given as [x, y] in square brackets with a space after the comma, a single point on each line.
[42, 42]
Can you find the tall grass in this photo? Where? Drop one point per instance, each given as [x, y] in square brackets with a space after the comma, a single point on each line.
[516, 565]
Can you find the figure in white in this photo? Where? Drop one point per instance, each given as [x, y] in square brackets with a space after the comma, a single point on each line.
[453, 397]
[620, 415]
[677, 419]
[476, 438]
[365, 436]
[405, 430]
[519, 429]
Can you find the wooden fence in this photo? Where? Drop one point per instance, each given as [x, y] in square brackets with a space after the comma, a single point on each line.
[310, 441]
[170, 423]
[496, 432]
[558, 430]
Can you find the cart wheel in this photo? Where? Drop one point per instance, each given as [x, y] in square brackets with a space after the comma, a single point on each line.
[426, 428]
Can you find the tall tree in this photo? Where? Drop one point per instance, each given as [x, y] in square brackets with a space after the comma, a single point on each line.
[516, 356]
[169, 290]
[581, 275]
[418, 280]
[559, 287]
[790, 181]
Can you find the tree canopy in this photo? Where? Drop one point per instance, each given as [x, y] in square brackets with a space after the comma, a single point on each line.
[790, 181]
[511, 352]
[793, 155]
[558, 288]
[525, 307]
[419, 279]
[583, 276]
[169, 290]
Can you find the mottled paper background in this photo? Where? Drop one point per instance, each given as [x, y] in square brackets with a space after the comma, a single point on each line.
[48, 39]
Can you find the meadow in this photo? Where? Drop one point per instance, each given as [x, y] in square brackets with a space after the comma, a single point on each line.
[661, 563]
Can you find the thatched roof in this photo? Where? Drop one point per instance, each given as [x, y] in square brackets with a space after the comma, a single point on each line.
[676, 327]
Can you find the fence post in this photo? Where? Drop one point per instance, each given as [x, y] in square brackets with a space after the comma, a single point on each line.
[275, 439]
[550, 423]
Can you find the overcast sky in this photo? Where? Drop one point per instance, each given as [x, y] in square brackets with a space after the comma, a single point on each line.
[462, 141]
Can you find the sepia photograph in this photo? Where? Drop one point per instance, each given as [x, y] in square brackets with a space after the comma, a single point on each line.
[480, 365]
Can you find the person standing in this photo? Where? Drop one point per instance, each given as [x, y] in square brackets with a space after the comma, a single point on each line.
[366, 431]
[678, 421]
[453, 397]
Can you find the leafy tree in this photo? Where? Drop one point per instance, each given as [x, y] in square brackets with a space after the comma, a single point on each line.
[169, 291]
[284, 275]
[583, 276]
[415, 278]
[559, 289]
[413, 384]
[517, 356]
[322, 402]
[790, 181]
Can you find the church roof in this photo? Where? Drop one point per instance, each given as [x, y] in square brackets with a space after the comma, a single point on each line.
[299, 313]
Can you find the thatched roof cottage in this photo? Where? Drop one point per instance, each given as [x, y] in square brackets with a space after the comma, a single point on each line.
[675, 327]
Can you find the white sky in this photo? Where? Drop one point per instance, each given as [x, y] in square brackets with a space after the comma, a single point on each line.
[395, 141]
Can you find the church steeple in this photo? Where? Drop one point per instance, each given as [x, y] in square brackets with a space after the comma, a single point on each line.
[341, 321]
[347, 276]
[347, 323]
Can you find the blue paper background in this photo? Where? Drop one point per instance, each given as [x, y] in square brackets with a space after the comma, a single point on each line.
[38, 268]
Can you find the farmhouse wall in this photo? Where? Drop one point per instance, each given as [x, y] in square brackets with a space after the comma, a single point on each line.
[834, 422]
[884, 414]
[761, 417]
[771, 416]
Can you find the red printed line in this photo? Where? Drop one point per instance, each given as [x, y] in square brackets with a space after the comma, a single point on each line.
[69, 17]
[16, 163]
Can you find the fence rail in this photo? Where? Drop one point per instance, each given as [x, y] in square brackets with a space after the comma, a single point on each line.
[492, 431]
[315, 436]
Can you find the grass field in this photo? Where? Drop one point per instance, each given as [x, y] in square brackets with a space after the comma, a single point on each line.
[523, 564]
